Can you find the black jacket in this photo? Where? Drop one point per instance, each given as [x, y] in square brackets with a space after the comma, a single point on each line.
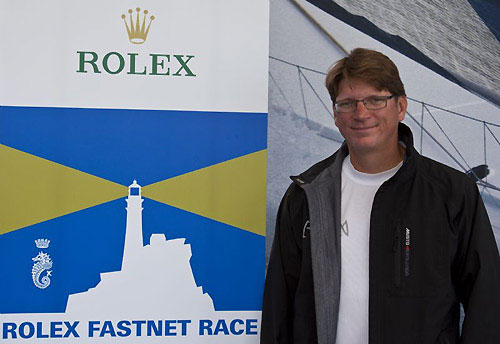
[414, 291]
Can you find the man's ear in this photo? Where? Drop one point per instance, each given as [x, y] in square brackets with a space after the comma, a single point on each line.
[402, 105]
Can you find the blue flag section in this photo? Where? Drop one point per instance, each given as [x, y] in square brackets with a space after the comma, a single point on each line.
[120, 146]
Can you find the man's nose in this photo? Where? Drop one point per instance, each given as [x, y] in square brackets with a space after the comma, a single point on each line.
[361, 113]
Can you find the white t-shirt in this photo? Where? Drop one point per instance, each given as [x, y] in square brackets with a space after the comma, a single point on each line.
[358, 192]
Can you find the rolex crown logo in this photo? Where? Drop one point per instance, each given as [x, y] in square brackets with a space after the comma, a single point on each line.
[137, 33]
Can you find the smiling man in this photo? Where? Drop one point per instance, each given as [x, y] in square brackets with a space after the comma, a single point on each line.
[377, 244]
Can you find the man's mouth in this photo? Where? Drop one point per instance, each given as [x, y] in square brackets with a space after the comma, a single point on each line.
[365, 128]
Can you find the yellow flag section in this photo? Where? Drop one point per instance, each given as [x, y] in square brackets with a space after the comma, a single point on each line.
[232, 192]
[35, 190]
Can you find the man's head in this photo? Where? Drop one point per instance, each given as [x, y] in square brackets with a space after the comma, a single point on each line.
[366, 65]
[369, 101]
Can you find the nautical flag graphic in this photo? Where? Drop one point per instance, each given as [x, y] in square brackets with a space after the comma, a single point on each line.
[66, 174]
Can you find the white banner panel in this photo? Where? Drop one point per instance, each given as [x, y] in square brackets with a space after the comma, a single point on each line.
[227, 42]
[133, 140]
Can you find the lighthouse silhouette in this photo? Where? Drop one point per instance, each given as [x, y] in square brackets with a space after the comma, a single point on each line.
[154, 278]
[133, 231]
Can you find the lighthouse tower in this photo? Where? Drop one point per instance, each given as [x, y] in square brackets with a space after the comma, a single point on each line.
[133, 232]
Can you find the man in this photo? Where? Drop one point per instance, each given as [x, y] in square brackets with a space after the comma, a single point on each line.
[377, 244]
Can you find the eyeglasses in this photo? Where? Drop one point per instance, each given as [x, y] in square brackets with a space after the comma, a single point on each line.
[370, 103]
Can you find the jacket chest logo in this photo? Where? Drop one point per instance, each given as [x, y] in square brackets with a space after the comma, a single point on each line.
[345, 228]
[407, 252]
[306, 229]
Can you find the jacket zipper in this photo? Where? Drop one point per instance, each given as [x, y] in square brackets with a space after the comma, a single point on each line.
[396, 249]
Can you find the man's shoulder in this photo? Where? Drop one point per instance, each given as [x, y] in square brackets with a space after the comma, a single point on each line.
[294, 198]
[446, 178]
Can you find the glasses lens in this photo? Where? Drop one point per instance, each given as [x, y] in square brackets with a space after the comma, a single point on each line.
[373, 103]
[345, 106]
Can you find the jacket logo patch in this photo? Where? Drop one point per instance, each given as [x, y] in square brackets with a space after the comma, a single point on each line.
[307, 227]
[345, 228]
[407, 252]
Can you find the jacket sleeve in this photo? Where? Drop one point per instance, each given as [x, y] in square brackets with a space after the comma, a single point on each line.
[282, 278]
[479, 272]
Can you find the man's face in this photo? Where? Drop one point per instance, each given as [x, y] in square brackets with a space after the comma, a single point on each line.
[365, 130]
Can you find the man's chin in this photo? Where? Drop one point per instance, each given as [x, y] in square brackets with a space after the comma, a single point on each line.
[362, 145]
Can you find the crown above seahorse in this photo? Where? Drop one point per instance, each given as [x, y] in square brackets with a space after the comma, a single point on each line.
[137, 33]
[42, 243]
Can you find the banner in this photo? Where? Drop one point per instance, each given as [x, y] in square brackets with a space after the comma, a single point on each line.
[133, 165]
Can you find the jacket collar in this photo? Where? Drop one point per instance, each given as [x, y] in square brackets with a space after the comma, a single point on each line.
[404, 135]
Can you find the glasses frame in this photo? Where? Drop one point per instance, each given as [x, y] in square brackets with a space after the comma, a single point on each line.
[356, 101]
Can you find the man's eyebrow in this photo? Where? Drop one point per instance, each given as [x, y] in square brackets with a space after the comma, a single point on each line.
[370, 96]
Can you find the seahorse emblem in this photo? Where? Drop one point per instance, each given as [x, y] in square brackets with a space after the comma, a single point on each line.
[43, 263]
